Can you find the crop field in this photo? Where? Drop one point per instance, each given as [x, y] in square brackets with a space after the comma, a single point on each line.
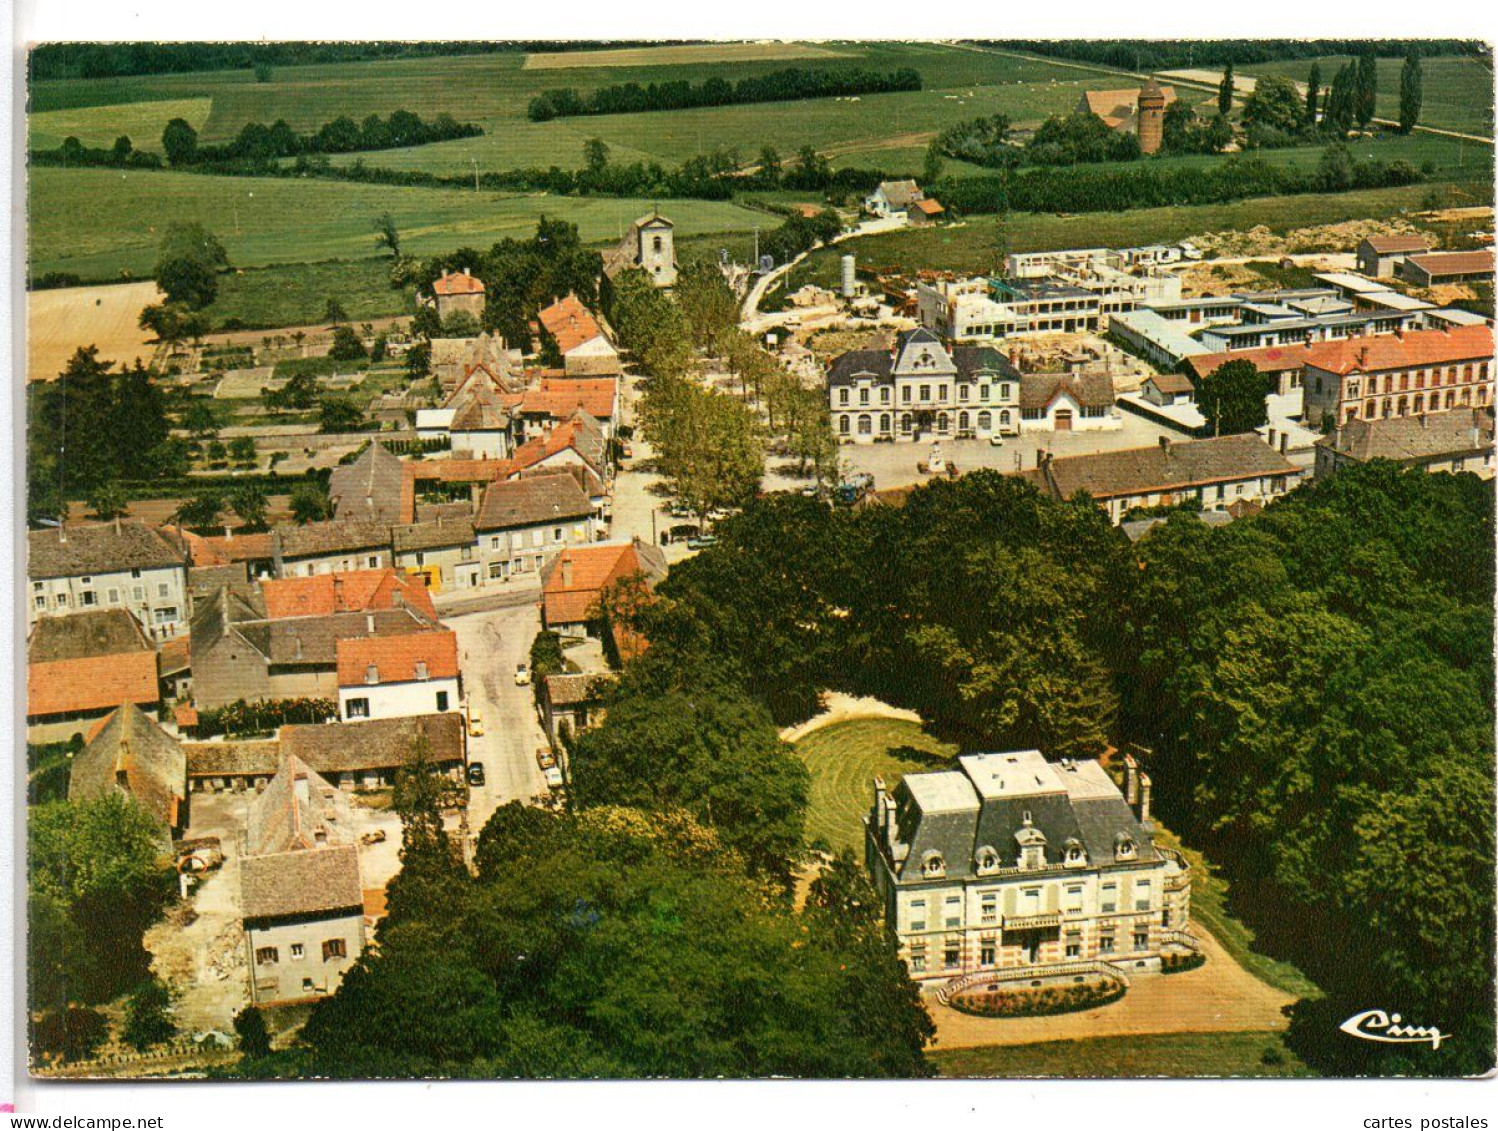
[58, 322]
[671, 54]
[970, 246]
[99, 223]
[98, 126]
[1457, 92]
[494, 90]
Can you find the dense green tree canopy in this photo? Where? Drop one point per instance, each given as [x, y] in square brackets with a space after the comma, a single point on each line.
[1232, 398]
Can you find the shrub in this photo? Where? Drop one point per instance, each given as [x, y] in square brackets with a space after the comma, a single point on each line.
[263, 716]
[73, 1033]
[1180, 963]
[254, 1037]
[147, 1021]
[1039, 1001]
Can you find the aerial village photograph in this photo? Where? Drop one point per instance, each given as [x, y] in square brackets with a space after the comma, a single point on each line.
[684, 558]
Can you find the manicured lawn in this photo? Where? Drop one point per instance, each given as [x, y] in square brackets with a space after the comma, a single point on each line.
[844, 758]
[98, 223]
[1209, 906]
[1168, 1054]
[970, 247]
[1457, 92]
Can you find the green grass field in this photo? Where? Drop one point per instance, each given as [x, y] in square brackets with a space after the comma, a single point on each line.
[1457, 93]
[98, 126]
[297, 294]
[845, 757]
[1162, 1054]
[98, 223]
[970, 247]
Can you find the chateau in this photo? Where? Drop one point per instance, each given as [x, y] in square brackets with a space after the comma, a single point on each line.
[1012, 862]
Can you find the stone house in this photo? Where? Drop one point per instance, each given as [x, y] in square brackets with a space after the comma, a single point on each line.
[1406, 374]
[571, 702]
[922, 388]
[584, 348]
[893, 198]
[389, 677]
[1216, 472]
[1013, 865]
[369, 489]
[123, 564]
[523, 522]
[1051, 402]
[330, 547]
[130, 754]
[357, 755]
[458, 292]
[573, 581]
[440, 552]
[1456, 441]
[81, 668]
[301, 896]
[1379, 256]
[1166, 389]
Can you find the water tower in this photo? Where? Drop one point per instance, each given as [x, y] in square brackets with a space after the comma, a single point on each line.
[850, 277]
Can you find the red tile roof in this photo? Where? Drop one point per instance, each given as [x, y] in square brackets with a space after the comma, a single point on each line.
[360, 590]
[1454, 262]
[559, 398]
[578, 574]
[1397, 351]
[395, 657]
[217, 550]
[91, 683]
[449, 471]
[928, 206]
[1385, 351]
[570, 323]
[1384, 245]
[457, 283]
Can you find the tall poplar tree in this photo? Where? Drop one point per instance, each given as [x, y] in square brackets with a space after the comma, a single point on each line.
[1366, 99]
[1313, 96]
[1225, 92]
[1410, 94]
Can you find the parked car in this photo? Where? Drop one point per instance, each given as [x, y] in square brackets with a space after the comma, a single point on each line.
[522, 674]
[553, 775]
[376, 837]
[475, 724]
[475, 773]
[545, 759]
[703, 542]
[996, 440]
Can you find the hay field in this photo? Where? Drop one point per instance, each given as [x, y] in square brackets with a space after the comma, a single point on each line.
[674, 54]
[58, 322]
[97, 223]
[98, 126]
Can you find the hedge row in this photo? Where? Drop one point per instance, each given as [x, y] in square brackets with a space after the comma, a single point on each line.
[1042, 1001]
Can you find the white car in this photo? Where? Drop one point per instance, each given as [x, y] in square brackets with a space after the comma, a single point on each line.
[522, 674]
[553, 775]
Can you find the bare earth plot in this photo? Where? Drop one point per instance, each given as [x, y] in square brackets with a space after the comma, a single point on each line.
[59, 321]
[668, 54]
[1219, 997]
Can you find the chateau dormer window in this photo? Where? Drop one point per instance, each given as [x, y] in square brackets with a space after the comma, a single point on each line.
[933, 866]
[987, 860]
[1123, 847]
[1073, 855]
[1031, 843]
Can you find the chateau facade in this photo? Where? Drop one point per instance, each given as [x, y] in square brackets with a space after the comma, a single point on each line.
[1012, 863]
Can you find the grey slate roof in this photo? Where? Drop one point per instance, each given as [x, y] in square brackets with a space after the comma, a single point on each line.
[97, 632]
[369, 489]
[960, 813]
[1414, 438]
[441, 532]
[315, 881]
[319, 538]
[1186, 463]
[528, 502]
[104, 548]
[298, 809]
[969, 360]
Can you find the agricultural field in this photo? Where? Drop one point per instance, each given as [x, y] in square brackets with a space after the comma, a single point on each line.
[105, 223]
[1457, 92]
[673, 54]
[58, 322]
[98, 126]
[297, 294]
[844, 758]
[970, 246]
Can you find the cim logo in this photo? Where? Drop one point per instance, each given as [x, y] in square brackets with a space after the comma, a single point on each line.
[1376, 1025]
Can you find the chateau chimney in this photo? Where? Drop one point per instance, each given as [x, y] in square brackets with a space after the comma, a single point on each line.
[1284, 443]
[1144, 799]
[566, 572]
[337, 592]
[1131, 779]
[369, 623]
[1165, 445]
[228, 530]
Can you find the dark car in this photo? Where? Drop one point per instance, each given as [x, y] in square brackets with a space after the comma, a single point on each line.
[475, 773]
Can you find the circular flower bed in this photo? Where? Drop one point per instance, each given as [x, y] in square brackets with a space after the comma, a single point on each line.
[1018, 999]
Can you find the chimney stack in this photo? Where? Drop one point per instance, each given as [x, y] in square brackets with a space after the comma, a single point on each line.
[1131, 779]
[1165, 445]
[566, 571]
[1144, 799]
[337, 592]
[369, 623]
